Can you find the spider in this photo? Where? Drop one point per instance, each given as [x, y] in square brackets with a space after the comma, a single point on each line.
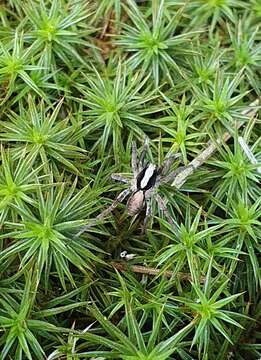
[142, 187]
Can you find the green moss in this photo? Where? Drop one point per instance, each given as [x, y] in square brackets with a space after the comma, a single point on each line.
[79, 82]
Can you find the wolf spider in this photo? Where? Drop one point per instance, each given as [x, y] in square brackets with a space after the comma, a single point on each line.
[142, 188]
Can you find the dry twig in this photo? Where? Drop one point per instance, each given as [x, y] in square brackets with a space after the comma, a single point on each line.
[152, 271]
[181, 177]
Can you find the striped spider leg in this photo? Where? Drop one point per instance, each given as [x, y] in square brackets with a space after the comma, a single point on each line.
[107, 211]
[120, 198]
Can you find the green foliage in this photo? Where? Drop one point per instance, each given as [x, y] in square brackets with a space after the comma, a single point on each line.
[152, 43]
[53, 30]
[80, 82]
[209, 314]
[17, 183]
[44, 236]
[116, 105]
[36, 130]
[136, 345]
[245, 50]
[15, 63]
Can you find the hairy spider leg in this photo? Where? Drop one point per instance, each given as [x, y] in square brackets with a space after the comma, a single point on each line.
[164, 209]
[148, 212]
[144, 150]
[170, 178]
[120, 178]
[107, 211]
[134, 159]
[168, 162]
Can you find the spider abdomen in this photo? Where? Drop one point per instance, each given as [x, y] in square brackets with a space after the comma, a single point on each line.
[135, 203]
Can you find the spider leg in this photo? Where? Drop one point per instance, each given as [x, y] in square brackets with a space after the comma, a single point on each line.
[169, 178]
[144, 150]
[168, 162]
[147, 216]
[164, 209]
[120, 178]
[134, 161]
[107, 211]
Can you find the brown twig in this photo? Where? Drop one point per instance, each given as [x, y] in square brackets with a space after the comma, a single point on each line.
[151, 271]
[181, 177]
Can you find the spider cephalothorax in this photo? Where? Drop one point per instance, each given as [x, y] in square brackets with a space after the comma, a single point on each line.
[142, 187]
[143, 184]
